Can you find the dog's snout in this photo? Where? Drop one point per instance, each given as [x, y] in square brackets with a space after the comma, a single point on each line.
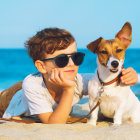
[114, 64]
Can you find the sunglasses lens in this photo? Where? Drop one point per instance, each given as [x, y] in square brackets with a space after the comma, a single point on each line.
[78, 58]
[61, 60]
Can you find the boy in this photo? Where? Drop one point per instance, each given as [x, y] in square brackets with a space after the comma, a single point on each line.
[51, 93]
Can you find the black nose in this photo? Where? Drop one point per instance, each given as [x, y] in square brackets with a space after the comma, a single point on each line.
[114, 64]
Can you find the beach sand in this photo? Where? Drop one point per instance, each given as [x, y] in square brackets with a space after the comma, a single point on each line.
[78, 131]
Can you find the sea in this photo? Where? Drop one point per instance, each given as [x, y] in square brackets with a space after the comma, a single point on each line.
[15, 65]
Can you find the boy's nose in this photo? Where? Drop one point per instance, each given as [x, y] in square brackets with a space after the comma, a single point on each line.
[70, 61]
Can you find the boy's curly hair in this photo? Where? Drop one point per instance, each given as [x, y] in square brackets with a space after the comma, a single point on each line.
[48, 41]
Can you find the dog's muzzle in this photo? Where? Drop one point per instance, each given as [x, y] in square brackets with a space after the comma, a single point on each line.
[114, 64]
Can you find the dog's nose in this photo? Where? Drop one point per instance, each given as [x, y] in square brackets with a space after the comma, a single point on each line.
[114, 64]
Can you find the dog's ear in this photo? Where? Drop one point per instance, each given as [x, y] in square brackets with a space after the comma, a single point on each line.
[125, 34]
[93, 46]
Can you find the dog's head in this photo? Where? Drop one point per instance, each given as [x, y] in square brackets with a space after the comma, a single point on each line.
[111, 53]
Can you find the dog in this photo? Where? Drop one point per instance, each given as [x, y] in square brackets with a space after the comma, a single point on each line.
[117, 101]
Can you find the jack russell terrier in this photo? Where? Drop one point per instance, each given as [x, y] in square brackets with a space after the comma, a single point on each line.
[117, 101]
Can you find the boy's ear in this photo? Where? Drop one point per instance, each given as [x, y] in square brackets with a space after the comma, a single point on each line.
[93, 46]
[40, 66]
[125, 34]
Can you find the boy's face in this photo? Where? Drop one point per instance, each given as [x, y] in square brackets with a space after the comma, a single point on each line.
[70, 70]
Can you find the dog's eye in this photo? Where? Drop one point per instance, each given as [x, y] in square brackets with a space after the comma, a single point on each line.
[103, 52]
[119, 50]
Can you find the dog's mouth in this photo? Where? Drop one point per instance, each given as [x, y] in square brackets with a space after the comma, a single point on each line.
[113, 70]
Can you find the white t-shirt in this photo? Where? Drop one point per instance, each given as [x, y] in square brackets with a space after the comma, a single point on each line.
[34, 98]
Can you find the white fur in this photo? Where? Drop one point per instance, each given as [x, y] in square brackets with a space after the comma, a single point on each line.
[111, 59]
[117, 102]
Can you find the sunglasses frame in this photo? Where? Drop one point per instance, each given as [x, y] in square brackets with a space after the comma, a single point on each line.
[68, 55]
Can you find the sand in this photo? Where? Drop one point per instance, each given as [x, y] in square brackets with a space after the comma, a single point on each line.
[78, 131]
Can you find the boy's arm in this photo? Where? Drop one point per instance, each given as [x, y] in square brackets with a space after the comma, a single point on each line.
[129, 76]
[63, 109]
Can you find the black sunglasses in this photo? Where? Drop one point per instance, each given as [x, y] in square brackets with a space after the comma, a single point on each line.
[63, 59]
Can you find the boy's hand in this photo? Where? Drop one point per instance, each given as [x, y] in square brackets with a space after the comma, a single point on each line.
[62, 111]
[129, 76]
[57, 77]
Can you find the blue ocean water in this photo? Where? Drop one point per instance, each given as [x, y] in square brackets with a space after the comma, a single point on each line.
[16, 65]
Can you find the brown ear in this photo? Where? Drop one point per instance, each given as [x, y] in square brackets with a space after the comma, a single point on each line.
[125, 34]
[93, 46]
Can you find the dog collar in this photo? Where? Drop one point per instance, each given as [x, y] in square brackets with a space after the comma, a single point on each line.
[111, 82]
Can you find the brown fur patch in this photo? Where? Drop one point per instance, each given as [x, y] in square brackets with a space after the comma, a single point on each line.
[111, 47]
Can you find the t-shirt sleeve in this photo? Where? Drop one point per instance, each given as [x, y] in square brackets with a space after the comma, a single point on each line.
[35, 98]
[84, 79]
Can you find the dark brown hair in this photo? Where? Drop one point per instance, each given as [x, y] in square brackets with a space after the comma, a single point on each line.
[48, 41]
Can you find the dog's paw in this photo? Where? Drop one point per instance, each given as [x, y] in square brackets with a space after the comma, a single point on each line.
[92, 122]
[117, 123]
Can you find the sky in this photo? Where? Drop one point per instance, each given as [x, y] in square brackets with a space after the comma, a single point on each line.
[87, 20]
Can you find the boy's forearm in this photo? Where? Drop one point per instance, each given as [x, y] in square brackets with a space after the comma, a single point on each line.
[63, 109]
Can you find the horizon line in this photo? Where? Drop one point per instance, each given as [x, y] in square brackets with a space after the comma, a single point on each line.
[26, 49]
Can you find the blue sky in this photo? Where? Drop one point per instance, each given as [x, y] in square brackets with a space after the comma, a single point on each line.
[85, 19]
